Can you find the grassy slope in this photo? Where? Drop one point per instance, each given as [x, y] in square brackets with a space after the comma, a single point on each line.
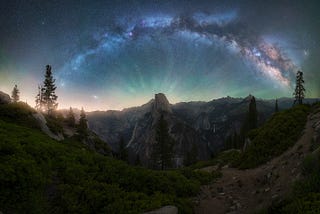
[305, 197]
[275, 136]
[272, 139]
[18, 113]
[40, 175]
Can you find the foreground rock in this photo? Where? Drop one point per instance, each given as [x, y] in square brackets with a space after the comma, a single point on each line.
[165, 210]
[4, 98]
[43, 125]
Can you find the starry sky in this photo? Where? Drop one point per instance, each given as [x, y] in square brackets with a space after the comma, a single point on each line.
[116, 54]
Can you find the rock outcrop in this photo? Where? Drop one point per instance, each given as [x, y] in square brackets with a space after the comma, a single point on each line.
[4, 98]
[43, 125]
[202, 122]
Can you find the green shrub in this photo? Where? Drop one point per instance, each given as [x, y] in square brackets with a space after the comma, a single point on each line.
[307, 204]
[314, 145]
[230, 157]
[18, 113]
[203, 163]
[311, 164]
[200, 176]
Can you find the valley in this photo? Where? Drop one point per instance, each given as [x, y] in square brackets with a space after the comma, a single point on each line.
[234, 181]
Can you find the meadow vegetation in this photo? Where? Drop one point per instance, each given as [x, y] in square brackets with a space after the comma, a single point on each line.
[41, 175]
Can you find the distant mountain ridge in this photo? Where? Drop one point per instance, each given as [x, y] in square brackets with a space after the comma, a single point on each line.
[205, 124]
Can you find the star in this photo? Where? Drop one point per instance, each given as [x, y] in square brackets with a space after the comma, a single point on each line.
[121, 54]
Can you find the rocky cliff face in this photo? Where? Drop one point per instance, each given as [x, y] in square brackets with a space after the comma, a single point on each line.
[43, 125]
[137, 126]
[204, 124]
[4, 98]
[112, 125]
[143, 135]
[161, 104]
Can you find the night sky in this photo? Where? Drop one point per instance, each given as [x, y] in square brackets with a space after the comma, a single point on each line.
[116, 54]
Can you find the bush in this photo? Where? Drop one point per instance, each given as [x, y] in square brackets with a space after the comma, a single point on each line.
[311, 164]
[18, 113]
[200, 176]
[230, 157]
[307, 204]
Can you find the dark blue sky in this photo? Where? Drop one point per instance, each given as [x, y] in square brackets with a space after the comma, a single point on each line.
[116, 54]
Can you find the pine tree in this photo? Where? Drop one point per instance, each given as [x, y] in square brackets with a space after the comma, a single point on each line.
[15, 94]
[276, 108]
[299, 90]
[123, 153]
[251, 122]
[82, 126]
[39, 100]
[48, 92]
[252, 117]
[163, 148]
[71, 118]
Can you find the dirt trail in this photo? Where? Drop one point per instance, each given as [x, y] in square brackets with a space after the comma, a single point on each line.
[246, 191]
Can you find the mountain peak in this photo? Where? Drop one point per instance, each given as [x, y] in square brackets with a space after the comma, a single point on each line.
[248, 98]
[161, 103]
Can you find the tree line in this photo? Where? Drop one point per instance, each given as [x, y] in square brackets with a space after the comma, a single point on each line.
[46, 103]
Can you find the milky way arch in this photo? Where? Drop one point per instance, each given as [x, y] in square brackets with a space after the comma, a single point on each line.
[139, 35]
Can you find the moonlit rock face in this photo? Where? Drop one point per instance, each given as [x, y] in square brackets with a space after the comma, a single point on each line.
[161, 103]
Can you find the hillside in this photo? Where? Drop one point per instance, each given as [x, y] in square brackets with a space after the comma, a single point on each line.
[204, 124]
[41, 175]
[279, 162]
